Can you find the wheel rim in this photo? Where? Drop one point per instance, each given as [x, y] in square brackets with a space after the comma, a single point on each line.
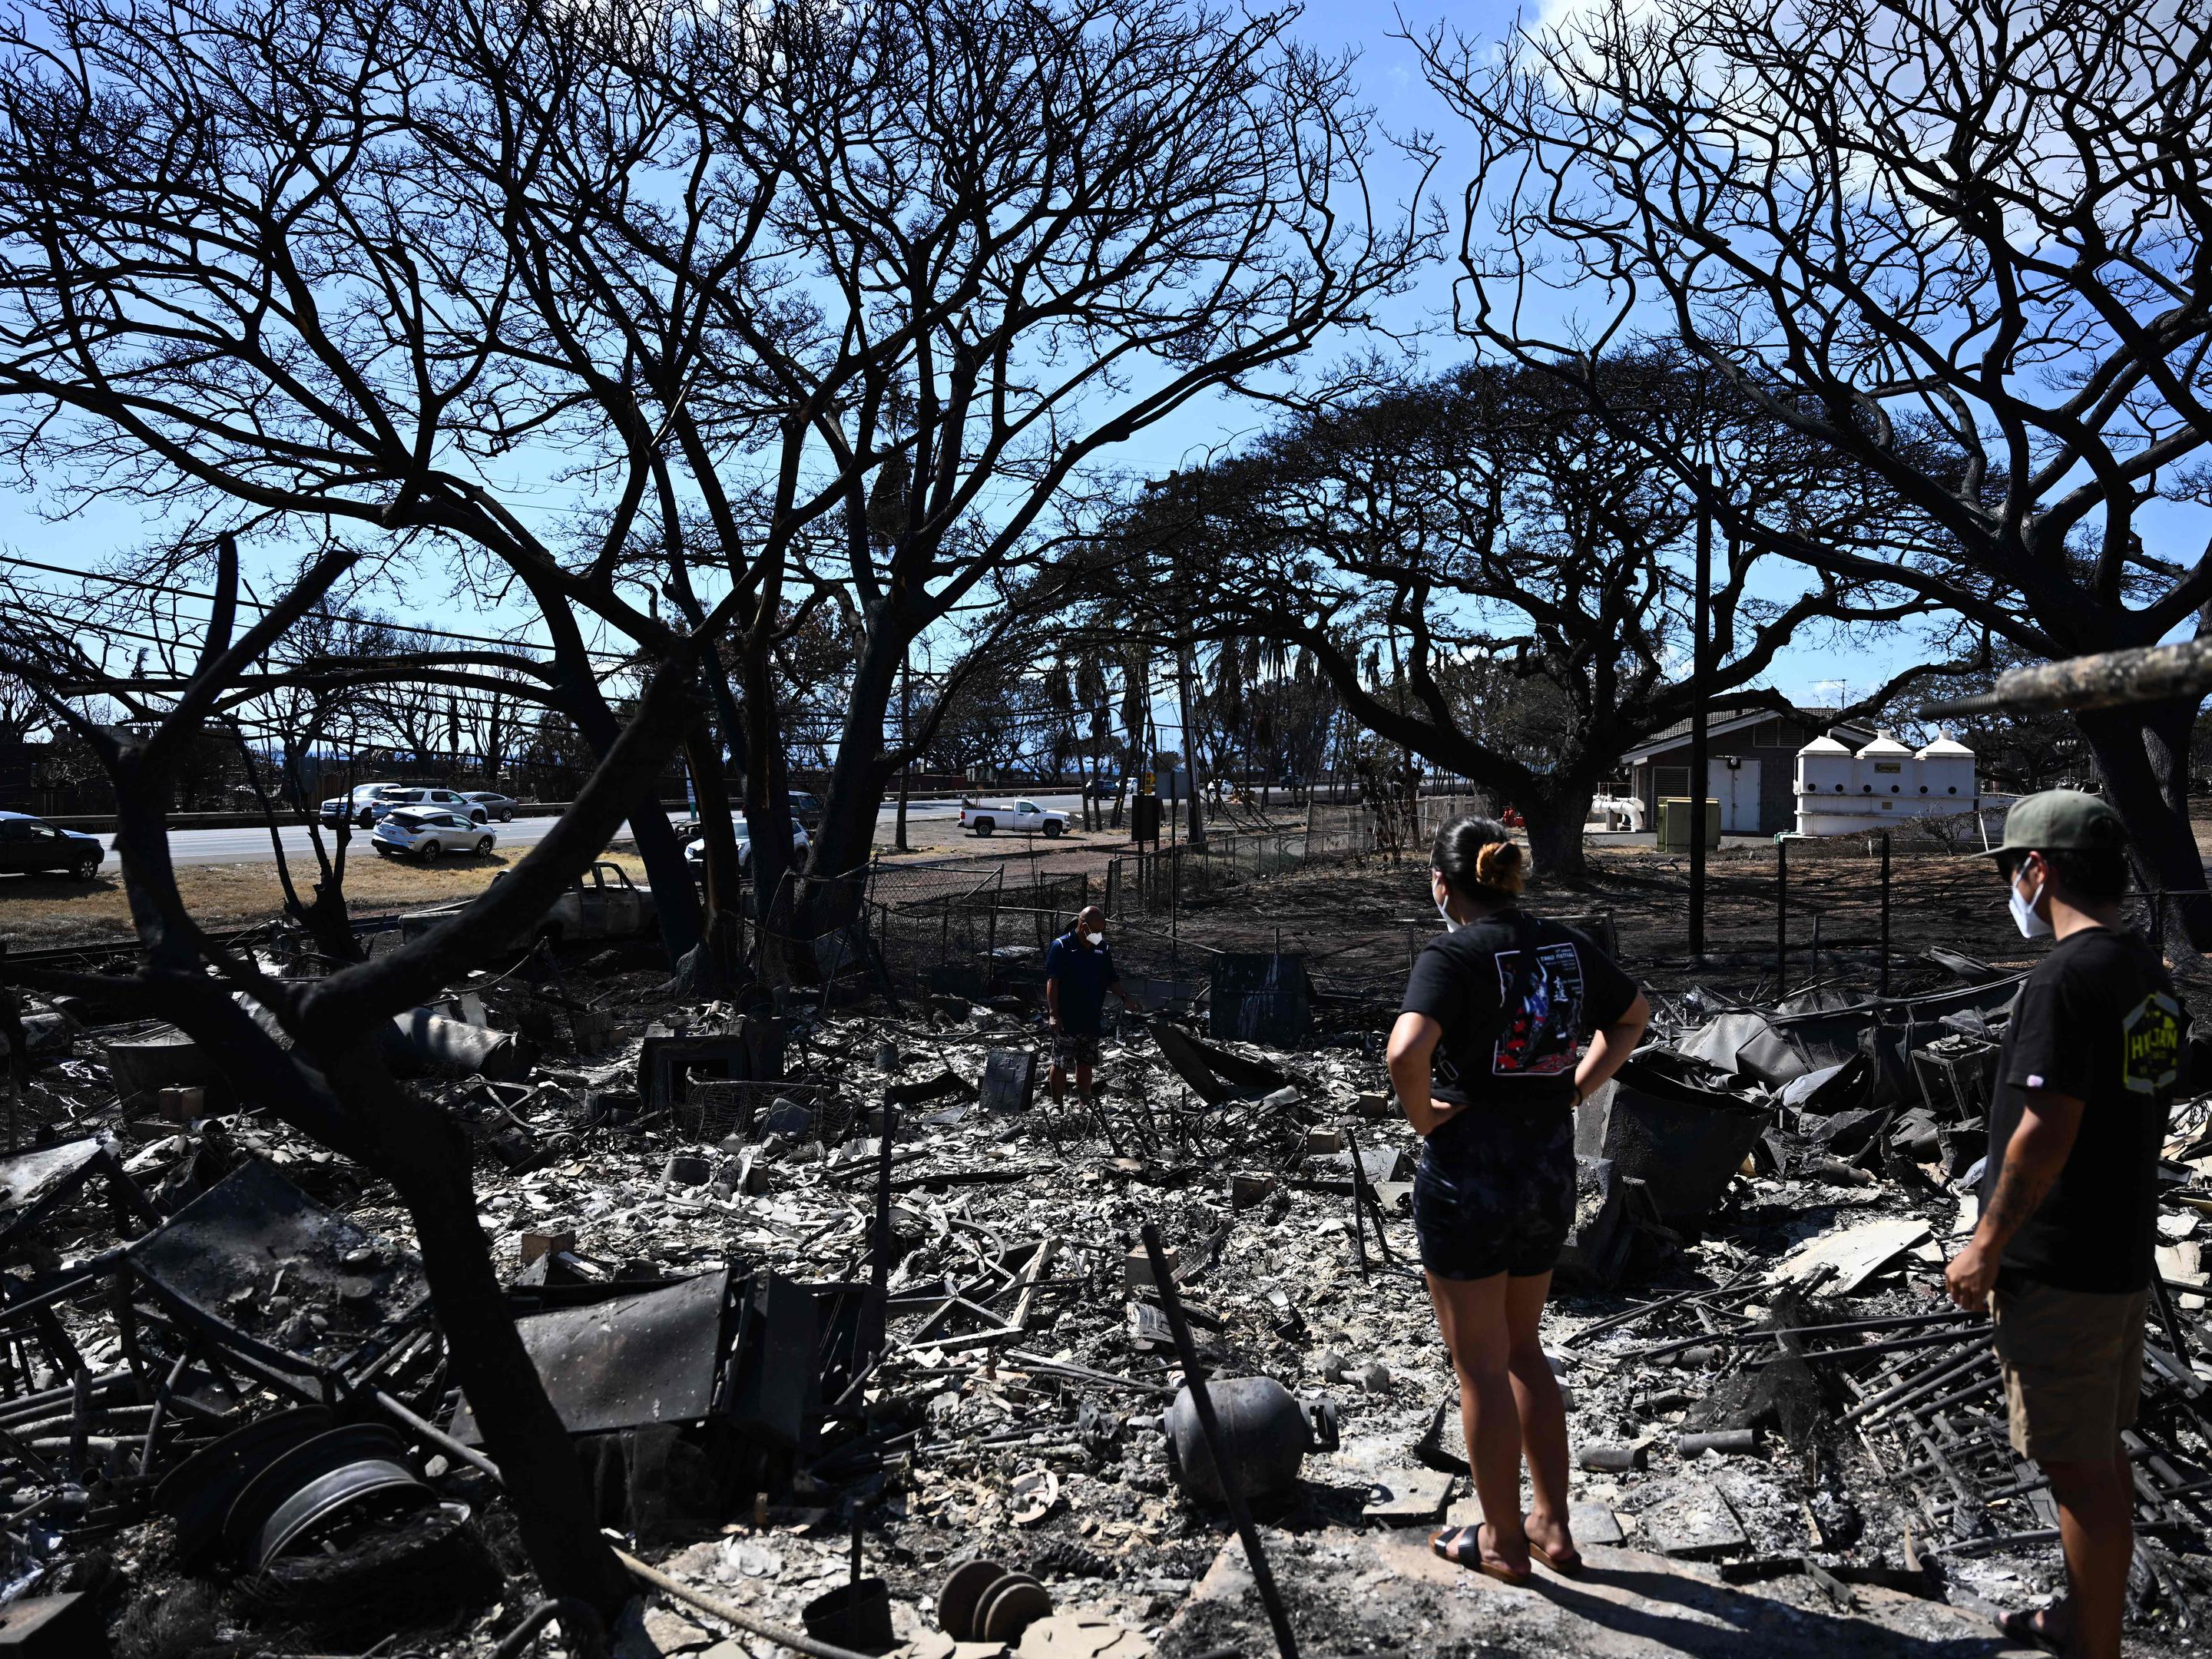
[430, 851]
[484, 847]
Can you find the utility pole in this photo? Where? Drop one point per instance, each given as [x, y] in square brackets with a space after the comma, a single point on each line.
[1700, 630]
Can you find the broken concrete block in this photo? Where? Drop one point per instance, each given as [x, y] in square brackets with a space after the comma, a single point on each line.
[1693, 1522]
[1246, 1190]
[1319, 1141]
[1594, 1524]
[1408, 1497]
[1138, 1266]
[1374, 1376]
[1373, 1102]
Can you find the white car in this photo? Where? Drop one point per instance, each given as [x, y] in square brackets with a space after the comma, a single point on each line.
[360, 804]
[696, 852]
[417, 833]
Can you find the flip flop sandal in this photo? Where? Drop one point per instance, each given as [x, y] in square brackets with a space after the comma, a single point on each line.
[1568, 1565]
[2033, 1627]
[1446, 1544]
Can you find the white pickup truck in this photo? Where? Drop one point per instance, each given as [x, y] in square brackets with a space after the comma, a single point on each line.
[1017, 816]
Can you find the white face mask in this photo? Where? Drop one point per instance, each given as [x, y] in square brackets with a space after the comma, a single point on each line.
[2031, 925]
[1096, 938]
[1449, 925]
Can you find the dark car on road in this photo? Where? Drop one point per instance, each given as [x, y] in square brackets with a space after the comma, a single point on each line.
[485, 804]
[29, 845]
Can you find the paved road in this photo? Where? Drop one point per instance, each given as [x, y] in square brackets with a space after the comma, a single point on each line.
[190, 846]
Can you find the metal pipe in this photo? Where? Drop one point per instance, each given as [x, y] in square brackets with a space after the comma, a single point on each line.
[1884, 913]
[1781, 915]
[781, 1635]
[1889, 1399]
[160, 1407]
[1217, 1445]
[434, 1434]
[512, 1645]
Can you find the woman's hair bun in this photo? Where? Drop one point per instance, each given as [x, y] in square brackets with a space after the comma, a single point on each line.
[1479, 856]
[1498, 865]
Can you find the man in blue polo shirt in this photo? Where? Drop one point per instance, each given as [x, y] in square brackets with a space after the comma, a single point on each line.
[1079, 971]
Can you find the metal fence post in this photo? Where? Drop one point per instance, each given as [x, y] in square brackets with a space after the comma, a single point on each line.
[1781, 914]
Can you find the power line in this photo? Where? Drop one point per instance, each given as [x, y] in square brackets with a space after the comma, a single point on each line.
[323, 616]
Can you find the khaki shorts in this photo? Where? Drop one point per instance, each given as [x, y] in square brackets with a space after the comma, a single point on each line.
[2072, 1366]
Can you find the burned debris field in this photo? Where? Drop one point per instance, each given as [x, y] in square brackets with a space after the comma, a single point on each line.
[855, 1334]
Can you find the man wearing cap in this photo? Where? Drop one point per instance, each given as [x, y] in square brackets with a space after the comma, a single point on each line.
[2062, 1256]
[1079, 971]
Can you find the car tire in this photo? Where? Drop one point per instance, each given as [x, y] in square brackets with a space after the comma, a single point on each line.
[1051, 830]
[507, 817]
[984, 826]
[429, 852]
[85, 869]
[479, 815]
[483, 847]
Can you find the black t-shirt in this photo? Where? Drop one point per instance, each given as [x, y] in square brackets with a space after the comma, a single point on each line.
[1461, 979]
[2098, 1020]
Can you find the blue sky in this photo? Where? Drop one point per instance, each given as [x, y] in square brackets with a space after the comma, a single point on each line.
[1389, 76]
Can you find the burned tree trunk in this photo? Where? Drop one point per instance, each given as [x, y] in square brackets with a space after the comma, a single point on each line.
[427, 1160]
[1555, 821]
[2142, 755]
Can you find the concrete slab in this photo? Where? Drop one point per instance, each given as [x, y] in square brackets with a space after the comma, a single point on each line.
[1383, 1592]
[1593, 1523]
[1408, 1497]
[1693, 1522]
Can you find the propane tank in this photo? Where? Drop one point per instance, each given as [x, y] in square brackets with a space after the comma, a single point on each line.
[1268, 1431]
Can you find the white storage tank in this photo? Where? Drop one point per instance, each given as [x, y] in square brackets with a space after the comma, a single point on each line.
[1946, 773]
[1841, 793]
[1824, 768]
[1884, 769]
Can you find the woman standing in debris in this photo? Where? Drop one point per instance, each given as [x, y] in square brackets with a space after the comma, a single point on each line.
[1489, 1060]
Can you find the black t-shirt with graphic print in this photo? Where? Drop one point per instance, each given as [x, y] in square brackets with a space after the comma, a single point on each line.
[2098, 1020]
[1527, 1061]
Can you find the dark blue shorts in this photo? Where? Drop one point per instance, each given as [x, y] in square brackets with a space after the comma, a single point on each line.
[1495, 1193]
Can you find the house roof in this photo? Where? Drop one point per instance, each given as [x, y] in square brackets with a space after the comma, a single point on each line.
[1719, 724]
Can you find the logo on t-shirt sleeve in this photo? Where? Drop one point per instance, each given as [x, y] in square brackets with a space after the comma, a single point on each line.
[1542, 1037]
[2150, 1045]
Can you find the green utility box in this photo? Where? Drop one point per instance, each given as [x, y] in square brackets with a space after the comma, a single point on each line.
[1674, 824]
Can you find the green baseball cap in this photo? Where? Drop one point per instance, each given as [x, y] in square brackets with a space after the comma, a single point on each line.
[2061, 821]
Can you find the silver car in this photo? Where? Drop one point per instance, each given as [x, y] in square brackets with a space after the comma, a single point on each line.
[427, 836]
[427, 799]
